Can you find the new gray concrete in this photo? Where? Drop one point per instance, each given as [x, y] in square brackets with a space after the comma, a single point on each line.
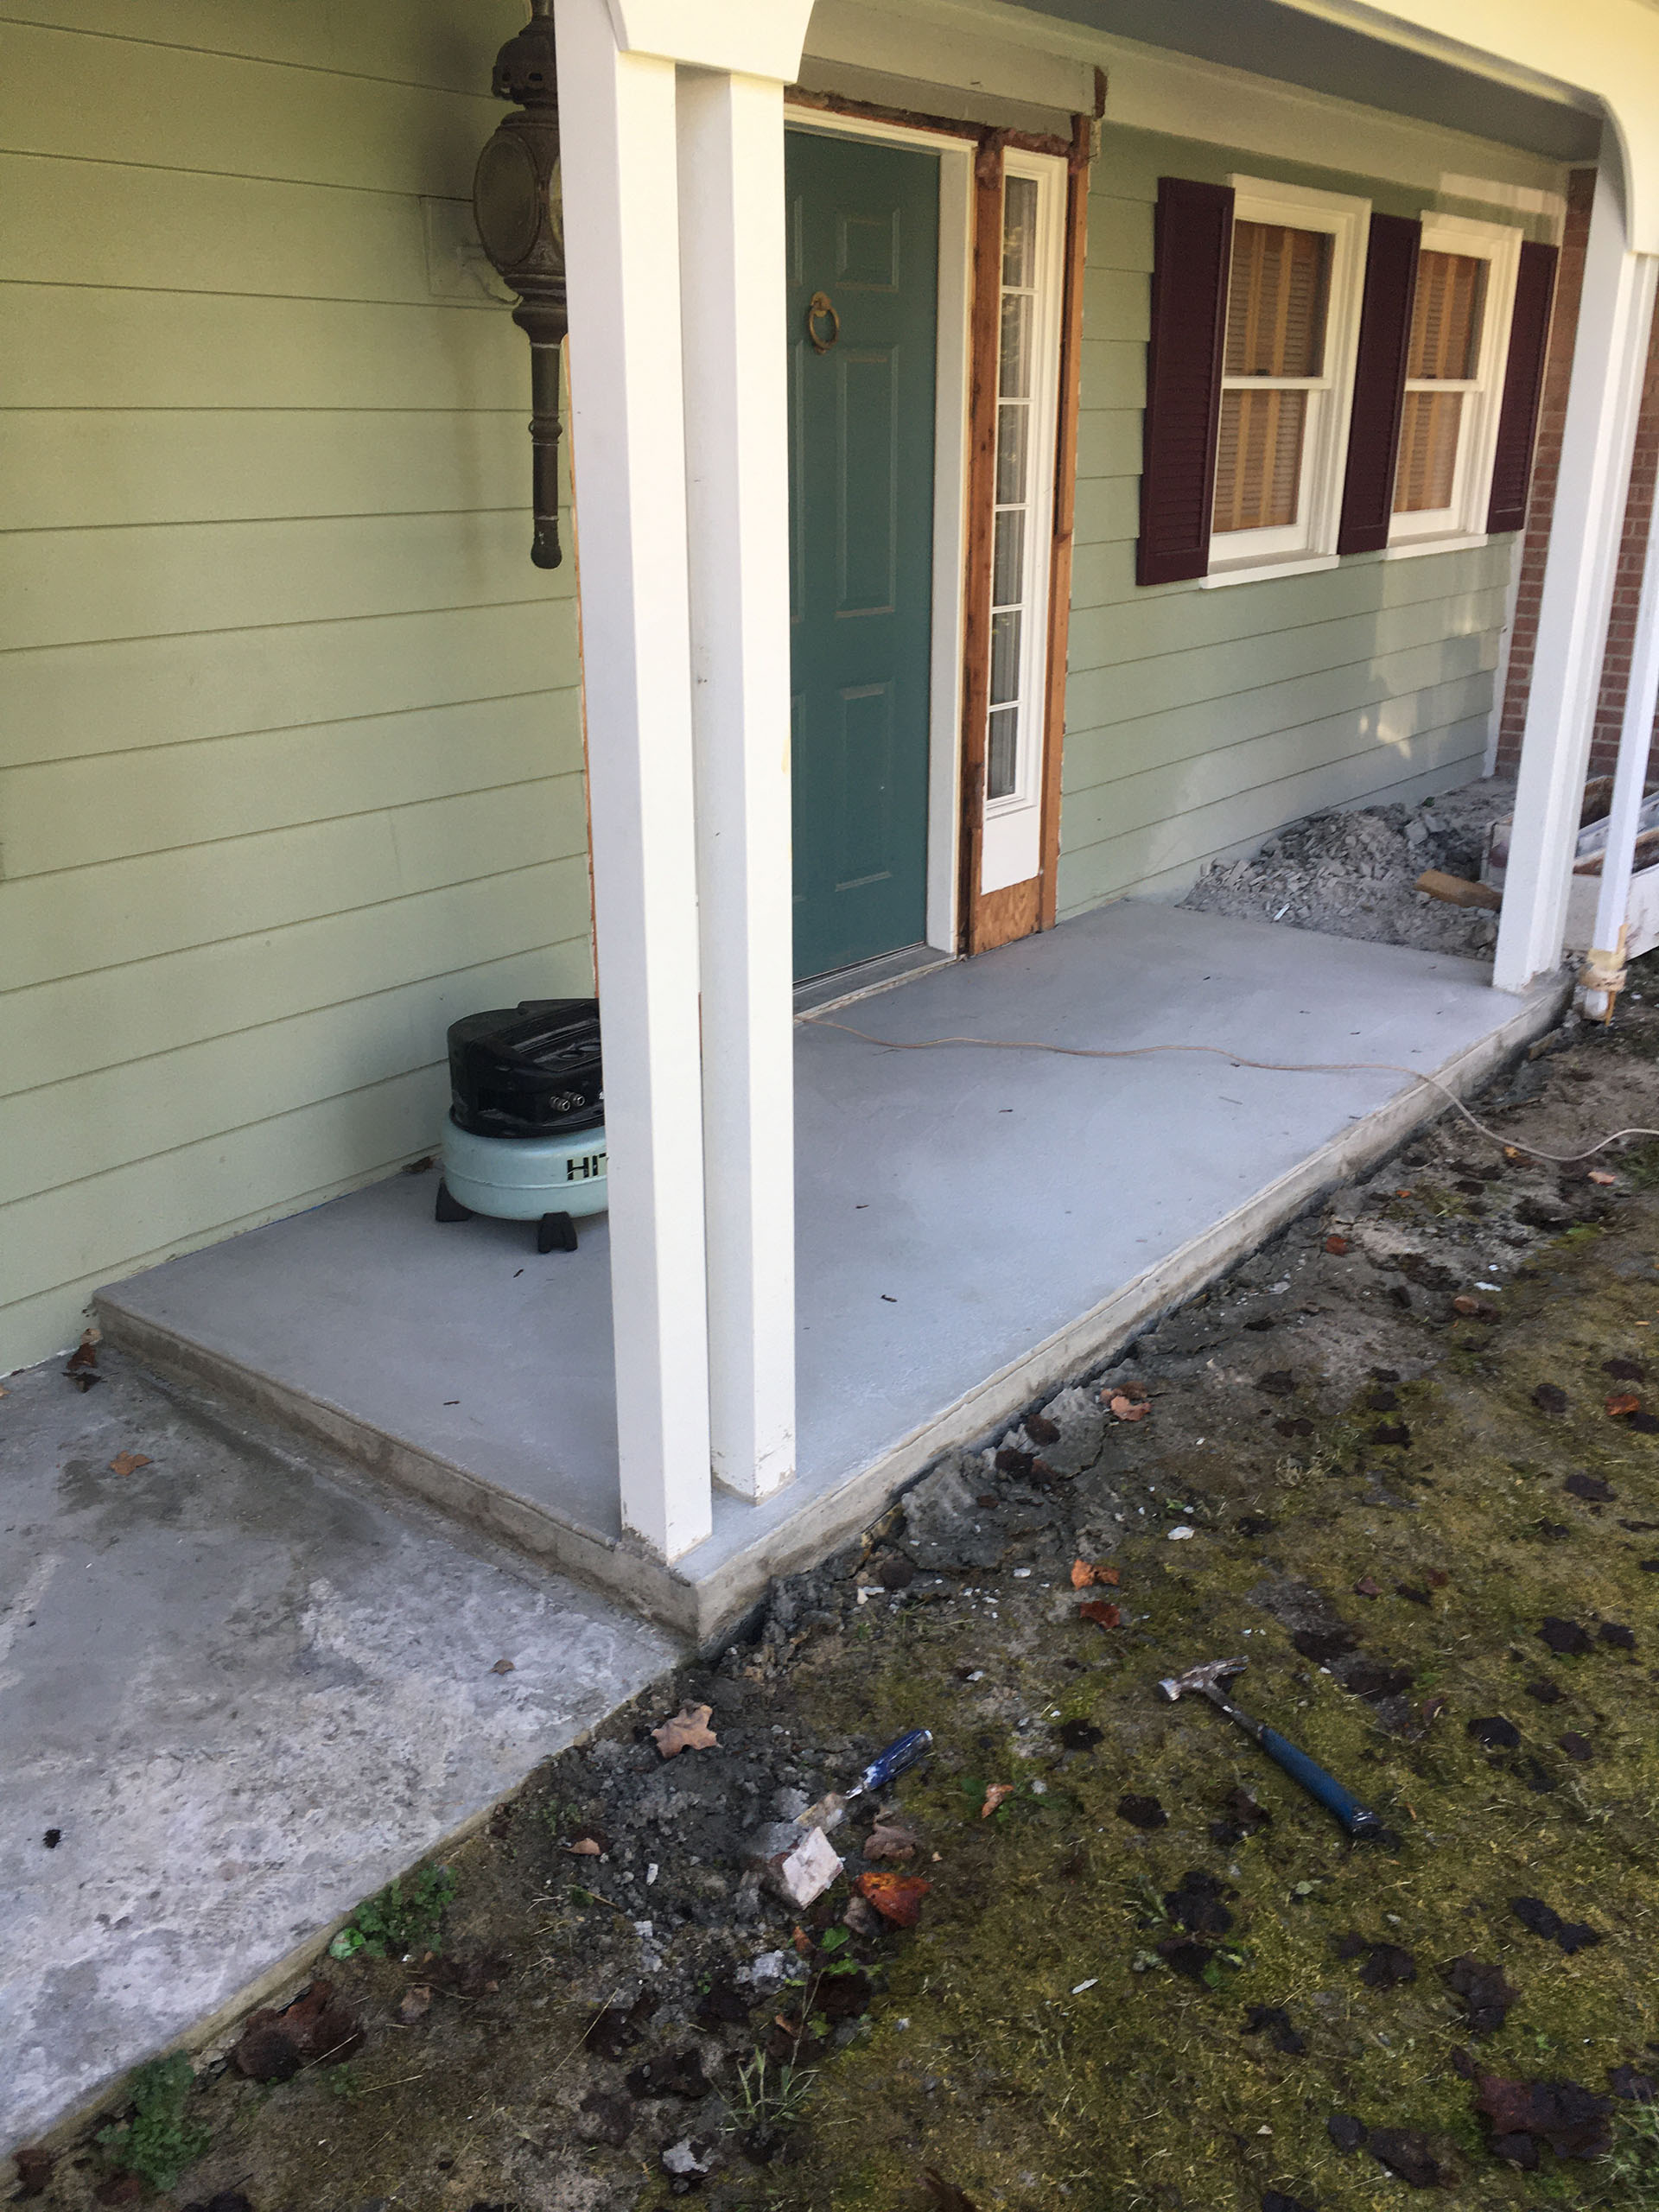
[972, 1225]
[247, 1692]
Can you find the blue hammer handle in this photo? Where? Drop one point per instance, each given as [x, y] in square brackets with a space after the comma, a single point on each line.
[1362, 1824]
[1357, 1819]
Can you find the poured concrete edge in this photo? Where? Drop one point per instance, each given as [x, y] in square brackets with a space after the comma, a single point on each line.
[701, 1602]
[827, 1520]
[612, 1565]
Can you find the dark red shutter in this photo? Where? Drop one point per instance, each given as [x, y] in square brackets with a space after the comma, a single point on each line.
[1523, 388]
[1379, 383]
[1192, 249]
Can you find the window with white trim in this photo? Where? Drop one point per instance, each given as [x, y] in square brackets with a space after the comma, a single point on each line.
[1460, 314]
[1034, 237]
[1287, 370]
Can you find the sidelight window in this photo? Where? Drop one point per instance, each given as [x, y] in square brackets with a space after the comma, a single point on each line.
[1033, 220]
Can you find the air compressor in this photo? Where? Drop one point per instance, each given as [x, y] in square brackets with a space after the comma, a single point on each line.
[526, 1137]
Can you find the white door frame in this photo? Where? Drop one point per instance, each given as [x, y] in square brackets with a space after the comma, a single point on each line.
[949, 487]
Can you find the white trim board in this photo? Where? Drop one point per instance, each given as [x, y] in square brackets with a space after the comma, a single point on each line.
[1014, 52]
[950, 489]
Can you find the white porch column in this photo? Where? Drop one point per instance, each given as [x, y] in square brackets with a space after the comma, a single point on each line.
[617, 123]
[1635, 743]
[731, 295]
[1597, 443]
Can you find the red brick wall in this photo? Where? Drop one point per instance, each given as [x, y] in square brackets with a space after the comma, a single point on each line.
[1540, 509]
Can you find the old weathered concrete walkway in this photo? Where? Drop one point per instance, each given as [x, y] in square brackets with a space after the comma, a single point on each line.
[239, 1691]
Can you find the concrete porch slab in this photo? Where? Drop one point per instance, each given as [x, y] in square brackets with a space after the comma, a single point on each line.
[972, 1225]
[241, 1691]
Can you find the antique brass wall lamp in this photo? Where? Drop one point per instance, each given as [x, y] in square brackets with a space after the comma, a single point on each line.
[516, 201]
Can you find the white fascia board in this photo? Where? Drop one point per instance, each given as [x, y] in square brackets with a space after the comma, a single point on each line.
[1600, 55]
[901, 43]
[750, 38]
[1151, 88]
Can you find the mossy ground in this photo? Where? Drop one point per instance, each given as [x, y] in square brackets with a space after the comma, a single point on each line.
[984, 2057]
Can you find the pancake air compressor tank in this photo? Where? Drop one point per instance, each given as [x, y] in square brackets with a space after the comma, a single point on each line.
[526, 1137]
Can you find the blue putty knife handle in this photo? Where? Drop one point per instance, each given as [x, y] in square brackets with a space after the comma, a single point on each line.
[900, 1755]
[1357, 1819]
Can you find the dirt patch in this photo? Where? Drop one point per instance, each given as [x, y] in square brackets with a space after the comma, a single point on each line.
[1354, 873]
[1147, 1970]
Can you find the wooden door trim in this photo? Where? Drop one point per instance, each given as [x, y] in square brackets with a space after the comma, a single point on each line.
[1065, 509]
[990, 919]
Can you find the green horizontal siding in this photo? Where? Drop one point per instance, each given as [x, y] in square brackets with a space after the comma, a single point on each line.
[291, 742]
[1199, 722]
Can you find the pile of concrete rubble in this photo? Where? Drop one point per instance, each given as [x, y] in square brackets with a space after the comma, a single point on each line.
[1354, 873]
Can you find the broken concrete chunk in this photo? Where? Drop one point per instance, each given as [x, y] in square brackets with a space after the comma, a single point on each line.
[946, 1529]
[805, 1870]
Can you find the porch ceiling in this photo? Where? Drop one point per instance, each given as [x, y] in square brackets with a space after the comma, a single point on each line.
[971, 1226]
[1299, 48]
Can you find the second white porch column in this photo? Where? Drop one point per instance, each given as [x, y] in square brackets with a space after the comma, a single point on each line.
[617, 124]
[1598, 444]
[732, 279]
[1629, 776]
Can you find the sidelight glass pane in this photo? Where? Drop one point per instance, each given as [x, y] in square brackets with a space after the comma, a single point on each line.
[1005, 655]
[1276, 301]
[1427, 473]
[1002, 754]
[1013, 431]
[1019, 232]
[1446, 310]
[1258, 459]
[1014, 364]
[1008, 558]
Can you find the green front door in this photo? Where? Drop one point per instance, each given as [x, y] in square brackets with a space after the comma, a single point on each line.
[863, 233]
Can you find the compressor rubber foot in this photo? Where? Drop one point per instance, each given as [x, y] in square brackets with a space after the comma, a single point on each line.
[555, 1232]
[448, 1209]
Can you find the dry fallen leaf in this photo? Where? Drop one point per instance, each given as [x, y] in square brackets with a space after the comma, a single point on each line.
[897, 1897]
[994, 1793]
[1600, 1175]
[1083, 1572]
[1098, 1610]
[585, 1847]
[128, 1463]
[1625, 1401]
[891, 1839]
[1367, 1587]
[504, 1667]
[85, 1354]
[1337, 1245]
[802, 1941]
[1129, 1408]
[417, 2003]
[688, 1730]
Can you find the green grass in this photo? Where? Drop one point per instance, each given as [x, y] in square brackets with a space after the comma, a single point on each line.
[155, 2144]
[400, 1919]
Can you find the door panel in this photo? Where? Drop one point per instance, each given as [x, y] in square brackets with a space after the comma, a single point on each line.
[863, 229]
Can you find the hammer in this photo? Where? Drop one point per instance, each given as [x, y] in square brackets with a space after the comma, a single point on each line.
[1363, 1825]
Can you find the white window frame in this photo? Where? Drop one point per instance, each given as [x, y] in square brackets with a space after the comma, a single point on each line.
[1011, 847]
[1437, 530]
[1239, 555]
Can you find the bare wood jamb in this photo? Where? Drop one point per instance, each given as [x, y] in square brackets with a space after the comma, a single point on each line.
[983, 327]
[1065, 502]
[905, 118]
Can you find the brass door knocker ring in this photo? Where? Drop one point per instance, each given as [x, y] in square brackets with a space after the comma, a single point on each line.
[817, 308]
